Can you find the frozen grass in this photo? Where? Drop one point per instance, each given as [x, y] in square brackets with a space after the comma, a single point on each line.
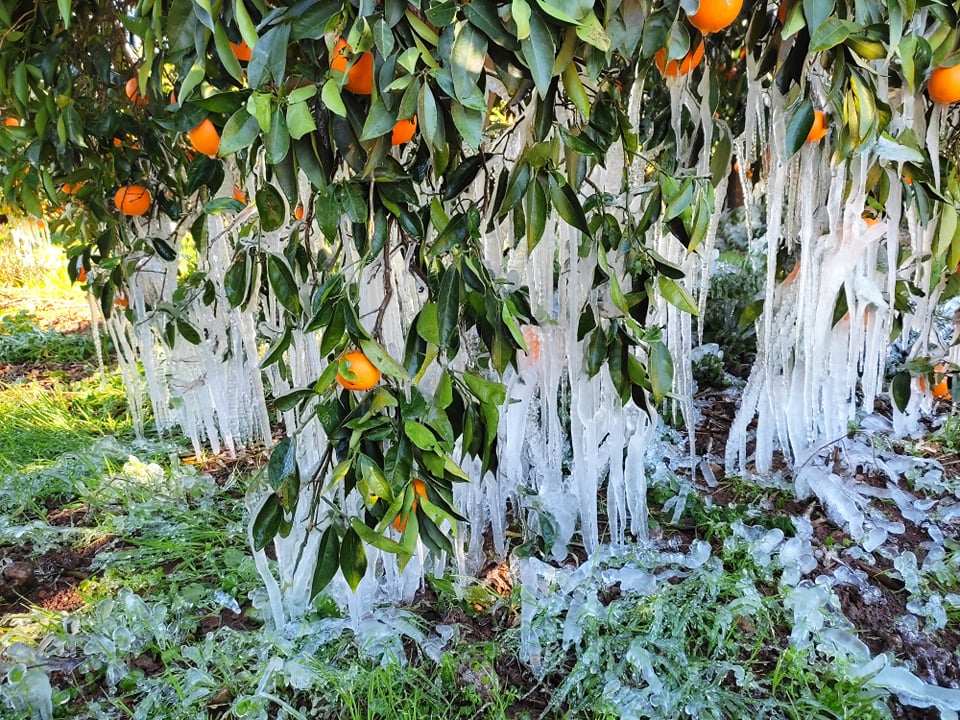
[22, 341]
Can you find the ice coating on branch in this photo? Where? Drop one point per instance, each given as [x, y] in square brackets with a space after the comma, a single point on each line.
[211, 390]
[815, 368]
[32, 248]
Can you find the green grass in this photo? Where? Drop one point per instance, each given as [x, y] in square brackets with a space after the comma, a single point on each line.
[39, 423]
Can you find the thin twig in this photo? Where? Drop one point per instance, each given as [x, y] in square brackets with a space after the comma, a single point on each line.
[241, 218]
[387, 287]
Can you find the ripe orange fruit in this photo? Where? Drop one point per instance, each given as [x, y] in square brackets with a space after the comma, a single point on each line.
[403, 131]
[242, 52]
[364, 374]
[819, 128]
[676, 68]
[82, 275]
[870, 221]
[360, 74]
[11, 122]
[133, 199]
[71, 188]
[944, 85]
[531, 336]
[205, 138]
[715, 15]
[399, 523]
[941, 391]
[298, 213]
[793, 273]
[239, 195]
[133, 92]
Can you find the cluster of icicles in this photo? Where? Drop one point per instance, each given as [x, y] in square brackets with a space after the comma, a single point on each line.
[565, 439]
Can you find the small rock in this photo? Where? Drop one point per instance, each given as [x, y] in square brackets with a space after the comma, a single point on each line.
[15, 578]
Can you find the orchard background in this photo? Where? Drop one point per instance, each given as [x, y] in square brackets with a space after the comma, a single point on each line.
[616, 336]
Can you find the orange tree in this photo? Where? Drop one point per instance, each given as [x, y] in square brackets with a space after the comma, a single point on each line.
[420, 127]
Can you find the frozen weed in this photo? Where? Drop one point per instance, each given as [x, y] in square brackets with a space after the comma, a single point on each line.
[654, 637]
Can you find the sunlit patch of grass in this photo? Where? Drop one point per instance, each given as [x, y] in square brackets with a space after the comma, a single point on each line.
[38, 423]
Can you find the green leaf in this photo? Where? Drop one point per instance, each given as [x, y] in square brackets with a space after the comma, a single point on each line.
[248, 30]
[282, 463]
[239, 132]
[466, 60]
[282, 282]
[484, 16]
[373, 476]
[487, 391]
[421, 28]
[269, 58]
[379, 357]
[331, 99]
[560, 13]
[188, 332]
[428, 326]
[267, 522]
[236, 281]
[900, 390]
[591, 31]
[677, 295]
[539, 52]
[448, 309]
[66, 12]
[798, 126]
[516, 188]
[420, 435]
[431, 123]
[277, 140]
[276, 350]
[290, 400]
[443, 396]
[458, 181]
[334, 332]
[567, 203]
[832, 32]
[520, 12]
[225, 52]
[469, 124]
[379, 121]
[583, 145]
[372, 537]
[817, 12]
[720, 161]
[660, 370]
[163, 249]
[536, 212]
[596, 352]
[454, 235]
[574, 89]
[271, 208]
[300, 120]
[676, 204]
[328, 560]
[353, 558]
